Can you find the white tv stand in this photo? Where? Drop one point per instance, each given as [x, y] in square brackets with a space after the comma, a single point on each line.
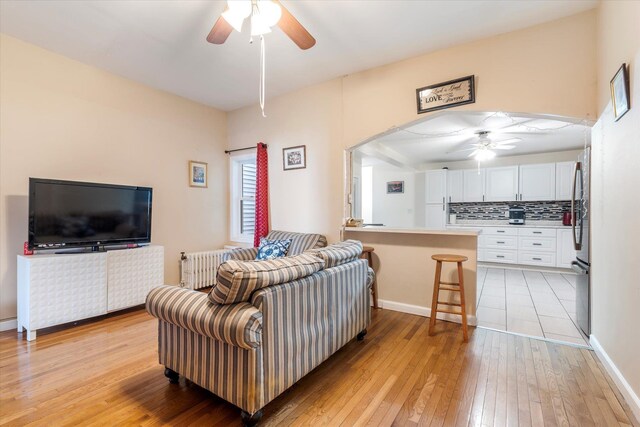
[61, 288]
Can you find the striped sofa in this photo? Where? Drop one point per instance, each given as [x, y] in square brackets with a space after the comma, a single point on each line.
[300, 242]
[250, 352]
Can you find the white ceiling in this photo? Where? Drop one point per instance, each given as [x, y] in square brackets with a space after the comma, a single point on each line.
[447, 136]
[162, 43]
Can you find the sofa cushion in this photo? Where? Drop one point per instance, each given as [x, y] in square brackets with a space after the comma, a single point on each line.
[300, 242]
[271, 249]
[338, 253]
[237, 280]
[237, 324]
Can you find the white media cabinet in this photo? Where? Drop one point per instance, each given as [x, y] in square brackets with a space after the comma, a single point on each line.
[54, 289]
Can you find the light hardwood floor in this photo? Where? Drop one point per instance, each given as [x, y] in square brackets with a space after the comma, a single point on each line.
[106, 373]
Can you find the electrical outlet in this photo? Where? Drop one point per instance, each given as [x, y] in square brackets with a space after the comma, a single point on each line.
[506, 214]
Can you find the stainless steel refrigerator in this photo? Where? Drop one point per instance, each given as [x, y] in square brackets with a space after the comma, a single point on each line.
[580, 223]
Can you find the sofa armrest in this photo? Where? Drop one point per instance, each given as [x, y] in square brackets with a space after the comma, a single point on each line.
[371, 276]
[236, 324]
[242, 254]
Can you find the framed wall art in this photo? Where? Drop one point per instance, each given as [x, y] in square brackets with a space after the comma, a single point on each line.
[197, 174]
[294, 157]
[620, 92]
[446, 95]
[395, 187]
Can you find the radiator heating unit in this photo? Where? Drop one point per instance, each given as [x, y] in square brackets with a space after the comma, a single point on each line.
[198, 269]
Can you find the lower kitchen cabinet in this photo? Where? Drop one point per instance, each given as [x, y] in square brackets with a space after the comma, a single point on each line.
[543, 247]
[565, 252]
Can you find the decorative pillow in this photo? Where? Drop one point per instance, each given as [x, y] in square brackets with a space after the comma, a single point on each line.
[272, 249]
[300, 242]
[237, 280]
[338, 253]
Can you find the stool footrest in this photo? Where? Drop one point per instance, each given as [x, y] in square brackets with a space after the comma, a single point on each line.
[449, 303]
[449, 311]
[449, 288]
[450, 283]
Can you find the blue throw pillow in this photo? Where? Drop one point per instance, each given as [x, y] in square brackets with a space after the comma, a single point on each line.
[271, 249]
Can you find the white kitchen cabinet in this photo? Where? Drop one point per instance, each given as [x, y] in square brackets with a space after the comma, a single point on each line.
[455, 186]
[473, 185]
[501, 184]
[538, 182]
[435, 196]
[435, 186]
[435, 216]
[564, 180]
[565, 251]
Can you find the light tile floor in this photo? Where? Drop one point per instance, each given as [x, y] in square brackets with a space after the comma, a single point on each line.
[534, 303]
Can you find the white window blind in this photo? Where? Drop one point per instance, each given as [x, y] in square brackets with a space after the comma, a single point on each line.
[247, 200]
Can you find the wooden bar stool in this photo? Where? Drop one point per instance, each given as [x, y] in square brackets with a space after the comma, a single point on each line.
[448, 286]
[367, 252]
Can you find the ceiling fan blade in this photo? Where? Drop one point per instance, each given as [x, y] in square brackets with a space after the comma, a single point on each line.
[504, 147]
[473, 154]
[462, 151]
[294, 29]
[220, 31]
[507, 141]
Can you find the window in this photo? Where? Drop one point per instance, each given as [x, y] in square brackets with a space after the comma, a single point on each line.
[243, 193]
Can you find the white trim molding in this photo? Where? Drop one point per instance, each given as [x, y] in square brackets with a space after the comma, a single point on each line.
[625, 388]
[424, 311]
[8, 324]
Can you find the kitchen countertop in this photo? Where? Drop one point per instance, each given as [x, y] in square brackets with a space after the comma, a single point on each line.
[505, 223]
[467, 232]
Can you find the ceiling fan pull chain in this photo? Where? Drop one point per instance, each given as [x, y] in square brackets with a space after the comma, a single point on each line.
[262, 73]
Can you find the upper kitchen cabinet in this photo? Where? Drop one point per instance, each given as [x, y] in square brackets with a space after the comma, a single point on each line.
[564, 180]
[435, 186]
[501, 184]
[455, 186]
[538, 182]
[473, 185]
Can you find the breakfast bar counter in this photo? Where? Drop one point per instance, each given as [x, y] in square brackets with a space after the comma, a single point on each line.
[405, 271]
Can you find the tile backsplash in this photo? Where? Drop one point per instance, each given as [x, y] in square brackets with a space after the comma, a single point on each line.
[541, 211]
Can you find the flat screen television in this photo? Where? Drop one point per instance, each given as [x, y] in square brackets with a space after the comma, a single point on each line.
[84, 214]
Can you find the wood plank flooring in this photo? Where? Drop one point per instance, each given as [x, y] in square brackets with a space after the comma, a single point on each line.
[106, 373]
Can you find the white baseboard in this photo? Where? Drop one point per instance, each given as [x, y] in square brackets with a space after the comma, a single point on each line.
[8, 324]
[627, 392]
[424, 311]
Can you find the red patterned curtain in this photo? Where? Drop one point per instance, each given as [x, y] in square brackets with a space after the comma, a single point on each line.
[262, 194]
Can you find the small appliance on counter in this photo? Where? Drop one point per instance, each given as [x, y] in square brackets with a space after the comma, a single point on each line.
[516, 215]
[566, 218]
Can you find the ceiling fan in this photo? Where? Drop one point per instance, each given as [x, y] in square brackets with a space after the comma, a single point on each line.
[483, 148]
[263, 15]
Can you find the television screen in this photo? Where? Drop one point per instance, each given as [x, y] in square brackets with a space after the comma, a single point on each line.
[68, 213]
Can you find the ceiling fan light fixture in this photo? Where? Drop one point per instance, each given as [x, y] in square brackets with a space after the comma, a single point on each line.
[484, 154]
[259, 25]
[236, 13]
[269, 11]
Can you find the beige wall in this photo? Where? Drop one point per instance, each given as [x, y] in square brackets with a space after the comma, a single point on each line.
[66, 120]
[405, 271]
[306, 200]
[548, 69]
[615, 178]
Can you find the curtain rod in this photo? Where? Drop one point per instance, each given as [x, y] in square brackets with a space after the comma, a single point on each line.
[243, 149]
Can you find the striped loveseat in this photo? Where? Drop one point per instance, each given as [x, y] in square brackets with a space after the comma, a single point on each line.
[300, 242]
[265, 325]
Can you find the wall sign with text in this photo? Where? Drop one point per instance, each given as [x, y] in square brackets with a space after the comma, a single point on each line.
[446, 95]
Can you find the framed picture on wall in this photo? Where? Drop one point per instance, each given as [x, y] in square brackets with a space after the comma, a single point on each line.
[294, 157]
[446, 94]
[395, 187]
[620, 92]
[197, 174]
